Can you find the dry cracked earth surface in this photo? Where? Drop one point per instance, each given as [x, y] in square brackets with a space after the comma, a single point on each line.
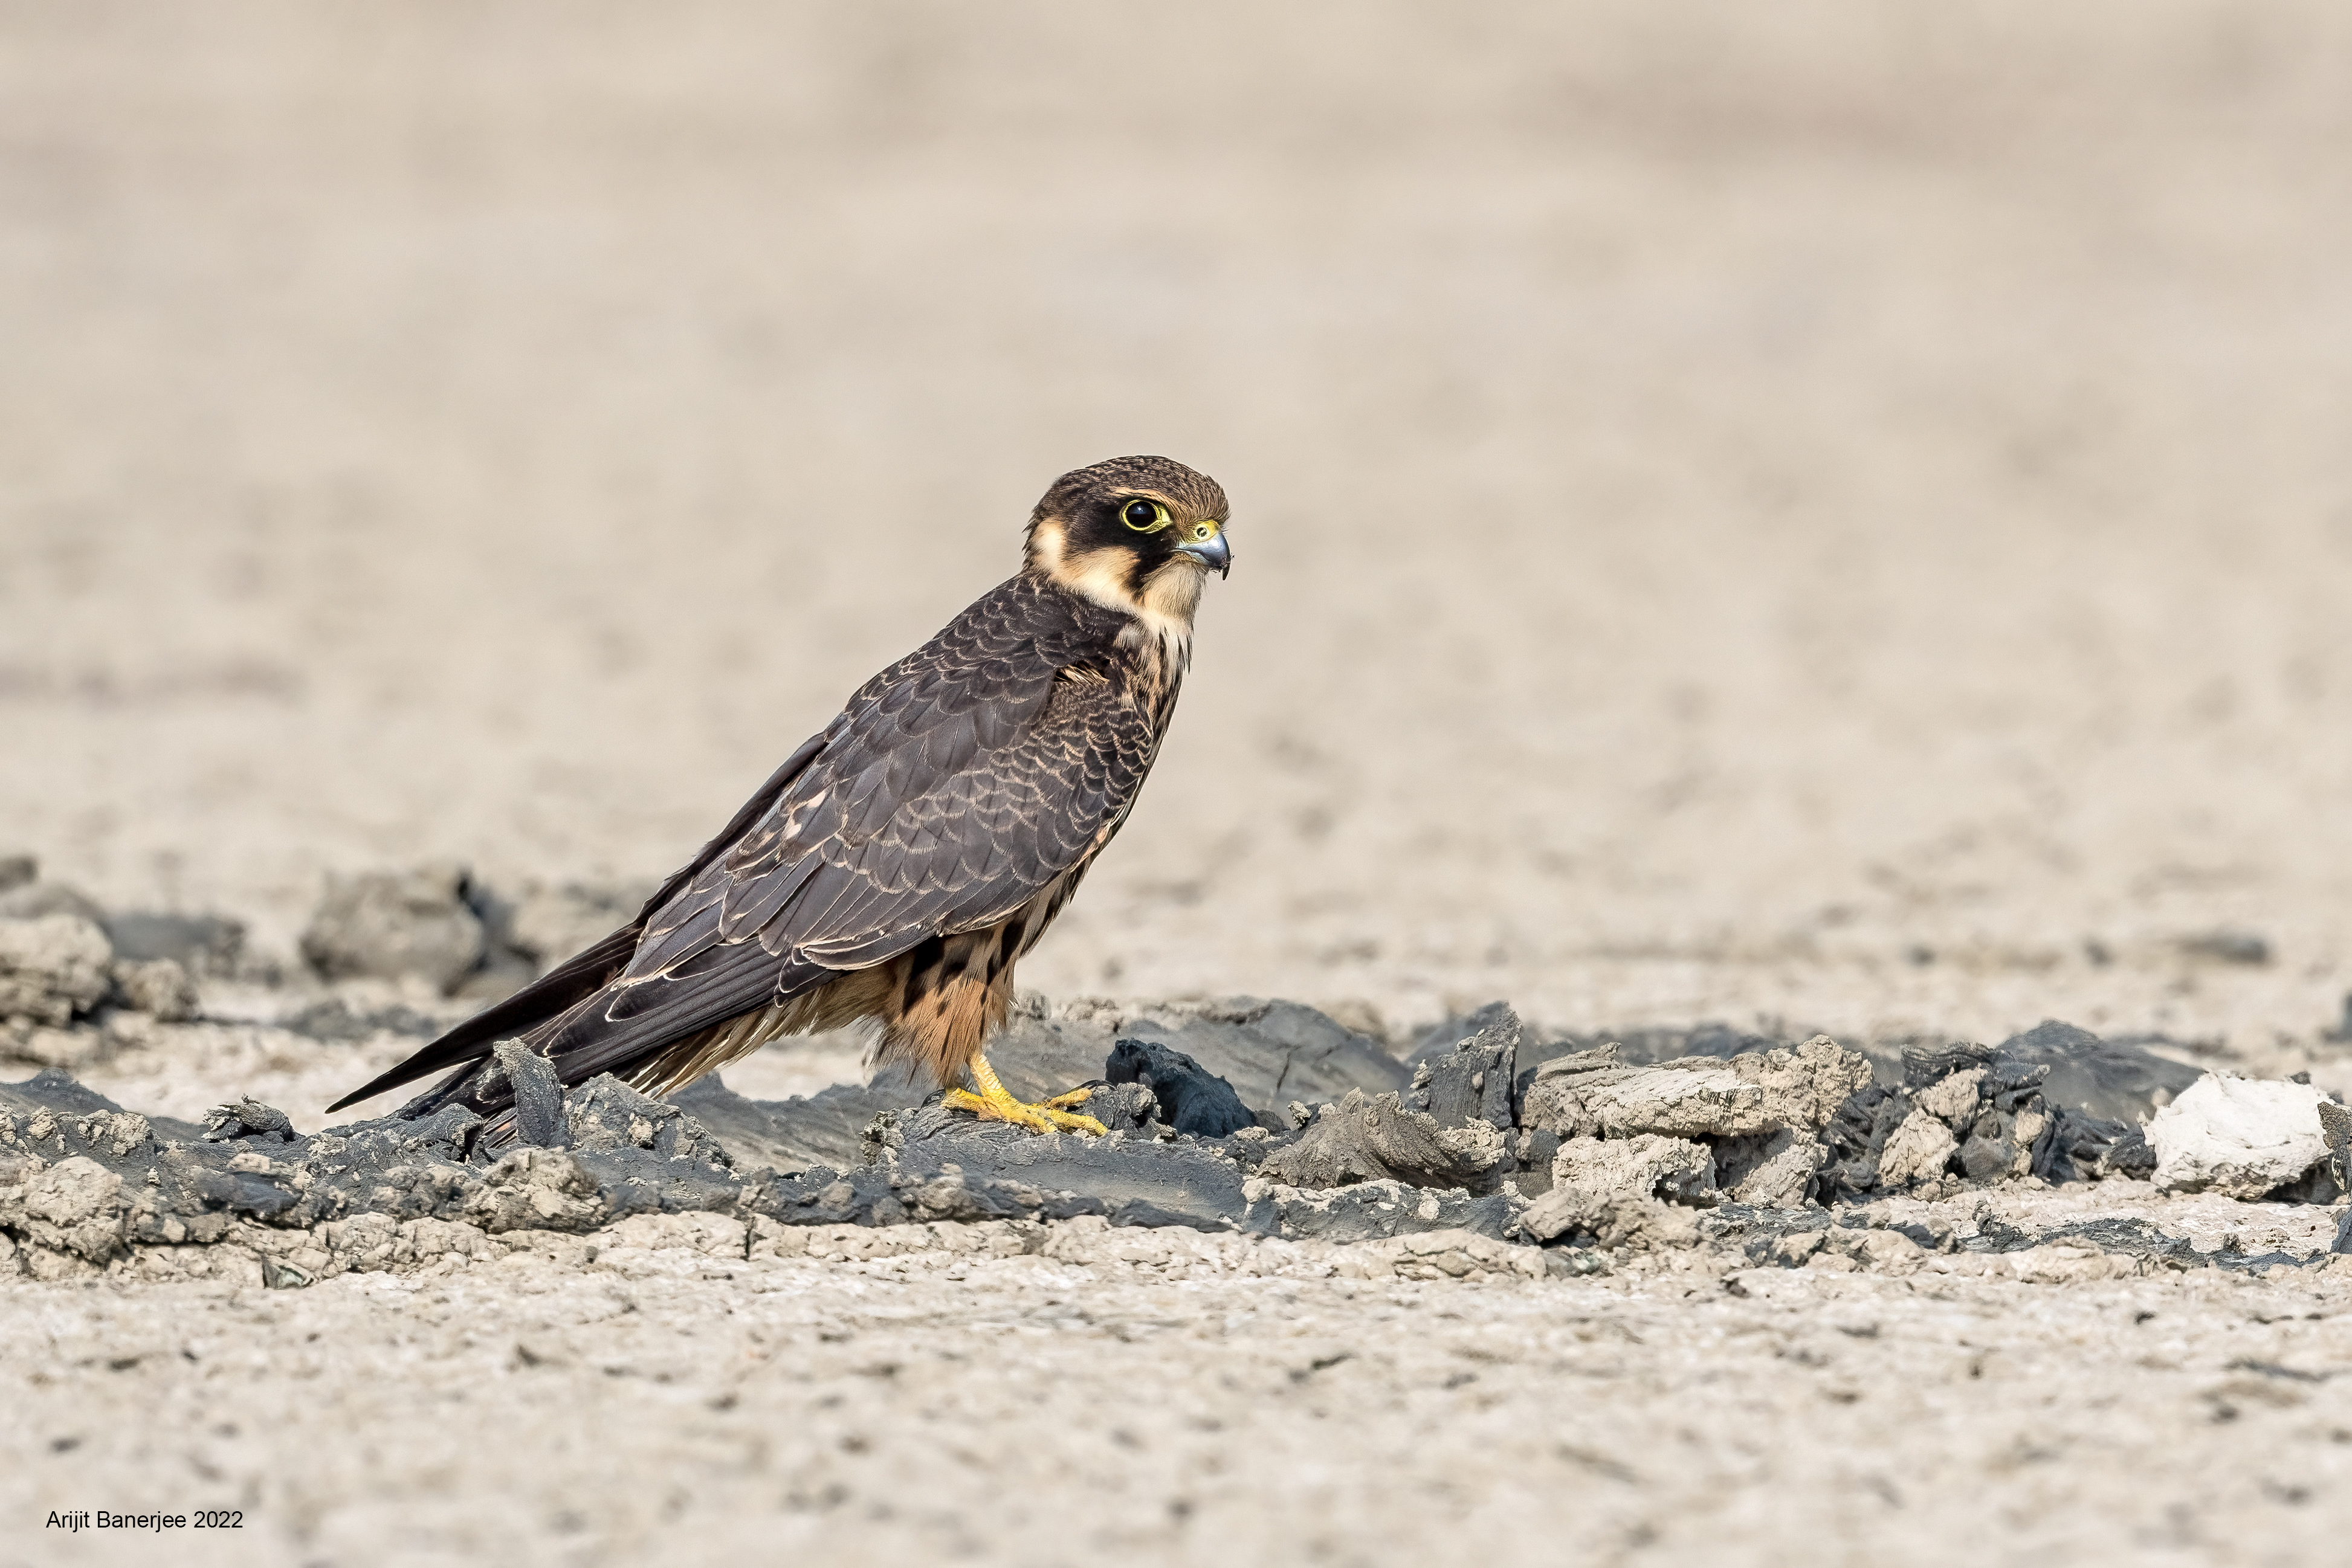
[1159, 1396]
[1802, 518]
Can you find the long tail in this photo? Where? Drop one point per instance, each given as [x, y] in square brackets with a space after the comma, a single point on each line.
[540, 1003]
[588, 1018]
[555, 997]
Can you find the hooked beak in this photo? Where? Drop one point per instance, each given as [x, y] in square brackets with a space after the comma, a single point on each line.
[1214, 551]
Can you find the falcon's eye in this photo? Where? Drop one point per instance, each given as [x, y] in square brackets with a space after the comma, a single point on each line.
[1143, 516]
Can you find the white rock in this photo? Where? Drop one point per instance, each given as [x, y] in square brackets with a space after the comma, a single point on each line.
[1782, 1175]
[2242, 1136]
[1589, 1095]
[1646, 1166]
[1612, 1188]
[1954, 1100]
[1916, 1150]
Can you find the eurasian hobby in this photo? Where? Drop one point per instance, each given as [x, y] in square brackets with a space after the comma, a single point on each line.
[899, 863]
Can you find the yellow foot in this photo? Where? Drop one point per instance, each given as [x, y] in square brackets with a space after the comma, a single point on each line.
[994, 1103]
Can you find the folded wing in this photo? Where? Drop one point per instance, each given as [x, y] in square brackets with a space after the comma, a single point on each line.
[953, 788]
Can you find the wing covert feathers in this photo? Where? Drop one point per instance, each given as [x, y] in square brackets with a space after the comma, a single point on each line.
[978, 774]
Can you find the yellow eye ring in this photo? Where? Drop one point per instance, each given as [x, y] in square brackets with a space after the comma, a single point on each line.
[1144, 516]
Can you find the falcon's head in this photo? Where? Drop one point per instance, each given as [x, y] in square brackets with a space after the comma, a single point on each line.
[1137, 534]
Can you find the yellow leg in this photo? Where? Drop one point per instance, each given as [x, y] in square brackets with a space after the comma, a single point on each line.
[994, 1103]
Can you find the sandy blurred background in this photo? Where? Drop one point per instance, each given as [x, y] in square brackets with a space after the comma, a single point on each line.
[1828, 513]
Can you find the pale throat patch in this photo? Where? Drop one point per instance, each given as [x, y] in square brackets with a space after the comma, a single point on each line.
[1171, 595]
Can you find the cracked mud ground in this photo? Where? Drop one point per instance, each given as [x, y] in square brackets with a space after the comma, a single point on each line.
[1167, 1402]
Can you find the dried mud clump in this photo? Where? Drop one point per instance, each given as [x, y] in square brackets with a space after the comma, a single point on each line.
[71, 975]
[390, 925]
[1284, 1126]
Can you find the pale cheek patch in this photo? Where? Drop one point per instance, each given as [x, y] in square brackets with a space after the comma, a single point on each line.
[1101, 575]
[1163, 613]
[1045, 542]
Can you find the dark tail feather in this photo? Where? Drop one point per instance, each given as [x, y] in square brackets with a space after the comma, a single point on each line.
[633, 1032]
[565, 987]
[557, 991]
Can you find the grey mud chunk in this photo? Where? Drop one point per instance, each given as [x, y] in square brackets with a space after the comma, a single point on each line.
[1127, 1107]
[1190, 1098]
[39, 900]
[1857, 1137]
[2335, 1129]
[2103, 1079]
[933, 1165]
[539, 1119]
[1374, 1137]
[2076, 1147]
[390, 925]
[825, 1129]
[49, 1116]
[2129, 1155]
[247, 1117]
[646, 1156]
[200, 943]
[1471, 1078]
[1133, 1180]
[624, 1154]
[161, 988]
[404, 1169]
